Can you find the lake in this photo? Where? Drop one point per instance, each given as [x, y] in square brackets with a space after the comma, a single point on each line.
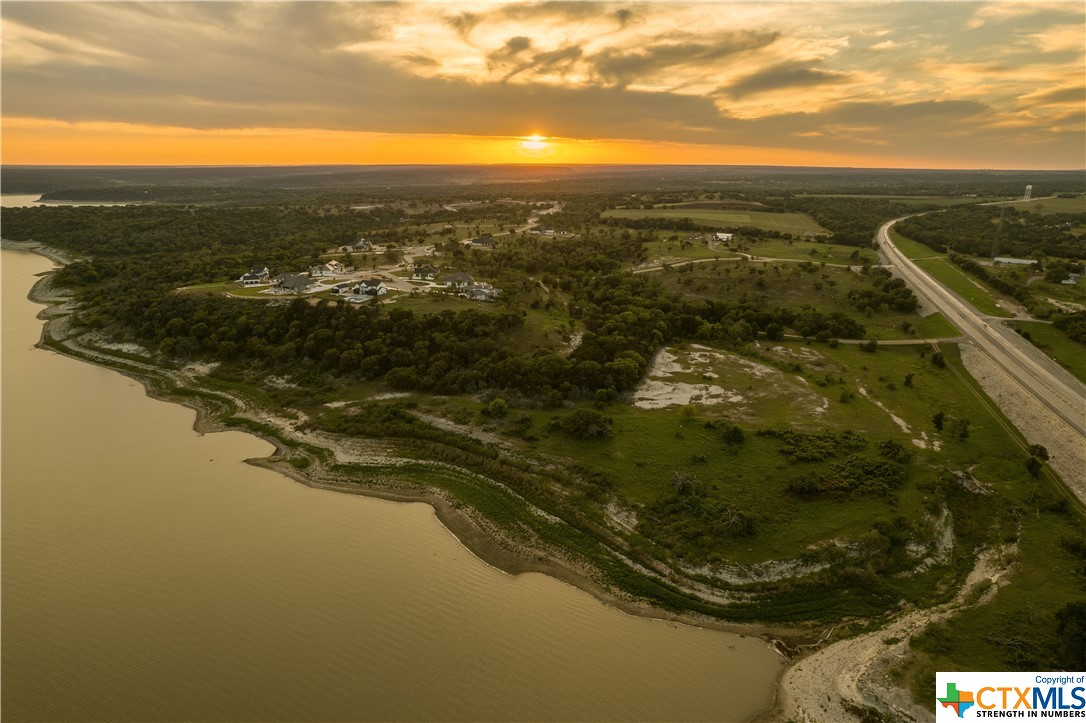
[150, 574]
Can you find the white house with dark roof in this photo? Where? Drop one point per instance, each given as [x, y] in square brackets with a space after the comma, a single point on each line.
[371, 287]
[255, 276]
[460, 280]
[484, 241]
[424, 272]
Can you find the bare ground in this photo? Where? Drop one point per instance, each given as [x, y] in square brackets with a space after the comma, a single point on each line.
[1037, 424]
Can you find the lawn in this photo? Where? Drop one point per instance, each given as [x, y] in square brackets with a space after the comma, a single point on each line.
[794, 223]
[964, 285]
[1068, 353]
[809, 251]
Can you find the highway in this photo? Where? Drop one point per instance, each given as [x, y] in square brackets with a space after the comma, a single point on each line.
[1042, 378]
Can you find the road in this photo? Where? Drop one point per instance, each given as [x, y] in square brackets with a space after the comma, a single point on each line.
[1042, 378]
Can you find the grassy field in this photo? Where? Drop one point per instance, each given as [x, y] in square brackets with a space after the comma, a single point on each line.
[814, 388]
[664, 249]
[1048, 206]
[792, 285]
[809, 251]
[908, 200]
[795, 223]
[912, 249]
[964, 285]
[1068, 353]
[935, 326]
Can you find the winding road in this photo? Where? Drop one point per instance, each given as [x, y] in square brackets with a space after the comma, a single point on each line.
[1042, 378]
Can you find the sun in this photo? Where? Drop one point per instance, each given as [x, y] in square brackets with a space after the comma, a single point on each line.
[534, 144]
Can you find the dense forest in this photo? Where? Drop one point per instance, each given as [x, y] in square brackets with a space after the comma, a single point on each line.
[998, 231]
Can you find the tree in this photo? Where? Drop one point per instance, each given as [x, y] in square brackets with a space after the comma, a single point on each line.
[938, 360]
[1071, 634]
[960, 428]
[937, 419]
[908, 380]
[1039, 452]
[1033, 466]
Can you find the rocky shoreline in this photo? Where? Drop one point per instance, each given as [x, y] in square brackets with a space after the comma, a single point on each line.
[810, 668]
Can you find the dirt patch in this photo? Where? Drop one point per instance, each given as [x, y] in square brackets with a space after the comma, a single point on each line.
[1034, 420]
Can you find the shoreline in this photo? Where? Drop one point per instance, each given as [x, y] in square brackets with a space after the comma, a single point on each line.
[813, 661]
[471, 530]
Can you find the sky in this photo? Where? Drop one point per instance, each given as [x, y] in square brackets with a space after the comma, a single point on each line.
[861, 84]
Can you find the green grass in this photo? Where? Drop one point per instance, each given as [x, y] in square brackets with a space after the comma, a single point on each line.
[964, 285]
[1068, 353]
[1049, 206]
[912, 249]
[809, 251]
[908, 200]
[664, 249]
[935, 326]
[795, 223]
[787, 285]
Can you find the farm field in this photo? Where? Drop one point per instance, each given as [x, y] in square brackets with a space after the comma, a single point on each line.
[794, 223]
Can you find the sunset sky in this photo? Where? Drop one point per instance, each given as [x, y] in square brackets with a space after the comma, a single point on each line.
[921, 84]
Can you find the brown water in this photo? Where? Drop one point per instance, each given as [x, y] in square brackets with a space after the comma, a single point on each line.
[148, 574]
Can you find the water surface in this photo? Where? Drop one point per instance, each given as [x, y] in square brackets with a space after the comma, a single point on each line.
[149, 574]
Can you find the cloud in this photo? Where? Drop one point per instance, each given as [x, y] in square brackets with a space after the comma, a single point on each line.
[507, 54]
[577, 70]
[620, 67]
[786, 75]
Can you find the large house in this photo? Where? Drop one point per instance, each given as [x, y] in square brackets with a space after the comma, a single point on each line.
[483, 292]
[460, 280]
[484, 241]
[371, 287]
[255, 277]
[359, 245]
[293, 282]
[332, 268]
[424, 272]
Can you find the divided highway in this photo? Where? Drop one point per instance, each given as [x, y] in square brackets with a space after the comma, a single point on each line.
[1049, 383]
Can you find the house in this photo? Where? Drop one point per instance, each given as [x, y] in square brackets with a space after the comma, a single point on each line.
[371, 287]
[344, 288]
[483, 292]
[293, 282]
[255, 276]
[359, 245]
[332, 268]
[1071, 280]
[1010, 261]
[724, 237]
[459, 280]
[484, 241]
[424, 272]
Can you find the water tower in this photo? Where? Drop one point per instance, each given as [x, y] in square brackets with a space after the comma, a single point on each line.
[1029, 192]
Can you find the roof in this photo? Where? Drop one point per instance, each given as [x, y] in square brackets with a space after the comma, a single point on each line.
[293, 281]
[460, 277]
[370, 283]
